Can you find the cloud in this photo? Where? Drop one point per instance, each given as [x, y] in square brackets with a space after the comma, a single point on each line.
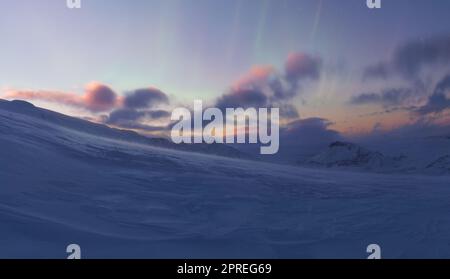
[301, 66]
[158, 114]
[252, 98]
[309, 131]
[143, 98]
[49, 96]
[129, 112]
[96, 98]
[137, 119]
[138, 108]
[99, 97]
[418, 62]
[390, 110]
[422, 128]
[126, 115]
[303, 138]
[257, 77]
[263, 86]
[415, 55]
[439, 100]
[387, 98]
[242, 98]
[287, 111]
[298, 67]
[412, 57]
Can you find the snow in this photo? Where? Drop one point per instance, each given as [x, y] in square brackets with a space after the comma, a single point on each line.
[348, 154]
[423, 160]
[65, 181]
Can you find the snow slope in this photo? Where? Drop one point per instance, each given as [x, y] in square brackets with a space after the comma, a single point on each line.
[123, 199]
[84, 126]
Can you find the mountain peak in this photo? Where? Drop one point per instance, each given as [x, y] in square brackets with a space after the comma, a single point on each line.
[345, 154]
[343, 144]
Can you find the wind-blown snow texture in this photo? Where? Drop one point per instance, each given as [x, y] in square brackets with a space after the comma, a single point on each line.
[116, 199]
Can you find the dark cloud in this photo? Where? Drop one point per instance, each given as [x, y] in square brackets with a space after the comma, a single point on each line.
[144, 98]
[304, 138]
[309, 131]
[158, 114]
[245, 98]
[132, 119]
[287, 111]
[387, 98]
[412, 57]
[121, 116]
[439, 100]
[124, 115]
[422, 128]
[415, 61]
[137, 109]
[390, 110]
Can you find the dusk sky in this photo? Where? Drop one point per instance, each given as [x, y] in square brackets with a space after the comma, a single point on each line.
[359, 68]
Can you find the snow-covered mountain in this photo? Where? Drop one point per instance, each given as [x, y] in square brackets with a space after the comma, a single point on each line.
[344, 154]
[440, 166]
[64, 181]
[350, 156]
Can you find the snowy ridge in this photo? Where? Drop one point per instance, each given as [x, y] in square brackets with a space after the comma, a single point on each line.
[343, 154]
[350, 156]
[27, 109]
[440, 166]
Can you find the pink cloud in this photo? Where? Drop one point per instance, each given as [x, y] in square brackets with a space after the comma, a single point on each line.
[96, 98]
[257, 76]
[99, 97]
[300, 65]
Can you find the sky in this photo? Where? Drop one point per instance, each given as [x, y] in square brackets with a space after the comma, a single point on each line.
[359, 70]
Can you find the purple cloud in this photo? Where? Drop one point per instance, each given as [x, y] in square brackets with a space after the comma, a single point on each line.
[143, 98]
[439, 100]
[412, 57]
[387, 98]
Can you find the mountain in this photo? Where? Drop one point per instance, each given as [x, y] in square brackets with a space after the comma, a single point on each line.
[84, 126]
[349, 155]
[421, 156]
[67, 181]
[440, 166]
